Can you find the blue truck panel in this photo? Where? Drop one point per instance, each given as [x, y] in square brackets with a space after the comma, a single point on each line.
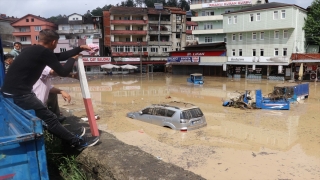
[22, 148]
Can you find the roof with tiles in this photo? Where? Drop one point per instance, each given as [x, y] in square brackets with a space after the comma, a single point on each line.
[34, 16]
[265, 6]
[128, 10]
[157, 11]
[298, 56]
[175, 10]
[64, 20]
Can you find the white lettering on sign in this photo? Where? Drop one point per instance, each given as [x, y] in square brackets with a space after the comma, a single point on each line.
[229, 3]
[237, 59]
[96, 59]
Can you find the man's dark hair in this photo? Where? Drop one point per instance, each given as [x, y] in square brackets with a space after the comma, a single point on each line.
[48, 35]
[17, 43]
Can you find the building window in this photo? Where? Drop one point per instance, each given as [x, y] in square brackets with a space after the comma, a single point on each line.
[37, 38]
[284, 51]
[76, 18]
[126, 18]
[37, 28]
[276, 34]
[165, 49]
[254, 52]
[126, 48]
[233, 52]
[283, 14]
[254, 36]
[154, 49]
[261, 52]
[127, 27]
[23, 38]
[229, 19]
[233, 37]
[127, 39]
[207, 39]
[140, 28]
[235, 20]
[27, 20]
[258, 17]
[285, 34]
[275, 15]
[240, 52]
[139, 39]
[189, 37]
[276, 52]
[178, 35]
[262, 35]
[32, 20]
[119, 49]
[178, 44]
[251, 18]
[63, 49]
[178, 18]
[23, 29]
[240, 37]
[208, 26]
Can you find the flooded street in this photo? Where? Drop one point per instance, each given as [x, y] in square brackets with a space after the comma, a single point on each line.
[236, 144]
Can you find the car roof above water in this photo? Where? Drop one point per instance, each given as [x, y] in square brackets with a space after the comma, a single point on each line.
[176, 105]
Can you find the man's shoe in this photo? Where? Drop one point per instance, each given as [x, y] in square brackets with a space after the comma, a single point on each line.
[86, 141]
[80, 132]
[61, 119]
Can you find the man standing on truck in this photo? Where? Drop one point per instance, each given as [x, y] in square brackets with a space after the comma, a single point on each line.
[26, 70]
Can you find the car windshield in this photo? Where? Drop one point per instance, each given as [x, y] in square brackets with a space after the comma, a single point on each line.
[191, 113]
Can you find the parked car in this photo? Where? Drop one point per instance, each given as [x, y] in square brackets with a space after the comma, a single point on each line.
[174, 115]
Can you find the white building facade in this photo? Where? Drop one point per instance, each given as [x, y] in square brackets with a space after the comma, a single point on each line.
[261, 39]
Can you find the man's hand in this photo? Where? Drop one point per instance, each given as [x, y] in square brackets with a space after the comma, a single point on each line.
[66, 96]
[85, 47]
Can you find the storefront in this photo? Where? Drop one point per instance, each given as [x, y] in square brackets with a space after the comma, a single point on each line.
[259, 68]
[310, 64]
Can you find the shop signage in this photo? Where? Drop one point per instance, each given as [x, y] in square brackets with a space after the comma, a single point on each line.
[131, 88]
[96, 59]
[200, 53]
[195, 59]
[226, 3]
[130, 59]
[260, 59]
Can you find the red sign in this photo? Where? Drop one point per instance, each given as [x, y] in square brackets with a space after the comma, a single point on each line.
[96, 59]
[199, 53]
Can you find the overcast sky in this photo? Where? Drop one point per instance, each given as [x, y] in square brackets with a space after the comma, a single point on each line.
[48, 8]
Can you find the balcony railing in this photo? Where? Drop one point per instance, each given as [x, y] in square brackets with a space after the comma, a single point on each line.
[161, 43]
[161, 22]
[71, 31]
[128, 32]
[122, 43]
[129, 22]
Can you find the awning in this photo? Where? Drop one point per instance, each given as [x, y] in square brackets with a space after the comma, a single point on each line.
[259, 64]
[211, 63]
[306, 61]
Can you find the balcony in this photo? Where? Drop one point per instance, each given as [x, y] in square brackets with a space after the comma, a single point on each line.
[208, 31]
[128, 32]
[188, 31]
[25, 42]
[161, 22]
[161, 32]
[120, 43]
[71, 31]
[164, 54]
[127, 54]
[159, 43]
[19, 33]
[91, 31]
[207, 18]
[134, 22]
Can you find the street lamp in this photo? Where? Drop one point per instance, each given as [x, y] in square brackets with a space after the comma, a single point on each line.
[140, 47]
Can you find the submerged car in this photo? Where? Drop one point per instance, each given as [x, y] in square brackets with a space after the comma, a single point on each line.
[175, 115]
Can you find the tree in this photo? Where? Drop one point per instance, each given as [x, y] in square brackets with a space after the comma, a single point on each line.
[54, 19]
[312, 23]
[183, 4]
[172, 3]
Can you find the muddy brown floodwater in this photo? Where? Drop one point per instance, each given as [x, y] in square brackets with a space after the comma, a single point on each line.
[236, 144]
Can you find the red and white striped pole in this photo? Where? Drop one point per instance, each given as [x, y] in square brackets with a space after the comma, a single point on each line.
[87, 98]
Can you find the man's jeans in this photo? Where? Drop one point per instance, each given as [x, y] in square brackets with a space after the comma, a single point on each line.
[30, 101]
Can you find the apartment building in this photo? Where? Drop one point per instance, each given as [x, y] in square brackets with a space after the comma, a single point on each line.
[261, 39]
[75, 30]
[209, 16]
[144, 35]
[191, 39]
[26, 29]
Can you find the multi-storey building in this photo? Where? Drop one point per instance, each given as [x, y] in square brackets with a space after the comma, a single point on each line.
[210, 19]
[75, 30]
[26, 29]
[144, 34]
[191, 39]
[261, 39]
